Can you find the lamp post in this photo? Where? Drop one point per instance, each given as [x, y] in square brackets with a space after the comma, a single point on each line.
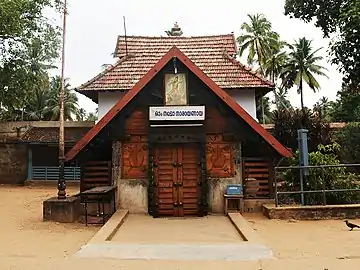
[61, 182]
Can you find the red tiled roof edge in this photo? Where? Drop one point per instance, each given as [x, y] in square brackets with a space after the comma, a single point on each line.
[252, 72]
[175, 52]
[102, 73]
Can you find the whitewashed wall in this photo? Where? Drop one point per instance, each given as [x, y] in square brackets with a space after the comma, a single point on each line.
[107, 100]
[246, 99]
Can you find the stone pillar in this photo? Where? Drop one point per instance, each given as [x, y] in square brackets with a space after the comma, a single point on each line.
[116, 167]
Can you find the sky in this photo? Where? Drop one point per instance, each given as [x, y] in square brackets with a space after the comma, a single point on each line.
[93, 27]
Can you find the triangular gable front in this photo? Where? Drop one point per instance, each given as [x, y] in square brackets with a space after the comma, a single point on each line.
[175, 52]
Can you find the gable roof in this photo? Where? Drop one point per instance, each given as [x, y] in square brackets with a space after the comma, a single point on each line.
[175, 52]
[212, 54]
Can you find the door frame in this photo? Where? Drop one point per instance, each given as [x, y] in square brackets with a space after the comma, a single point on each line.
[178, 138]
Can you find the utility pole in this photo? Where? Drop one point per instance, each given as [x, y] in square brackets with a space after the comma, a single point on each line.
[61, 181]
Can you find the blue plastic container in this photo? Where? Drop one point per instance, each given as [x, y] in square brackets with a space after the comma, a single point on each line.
[234, 189]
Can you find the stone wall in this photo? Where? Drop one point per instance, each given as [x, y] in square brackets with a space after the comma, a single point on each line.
[350, 211]
[13, 163]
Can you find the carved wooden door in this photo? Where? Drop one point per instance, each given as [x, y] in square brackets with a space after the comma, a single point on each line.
[177, 176]
[165, 158]
[189, 173]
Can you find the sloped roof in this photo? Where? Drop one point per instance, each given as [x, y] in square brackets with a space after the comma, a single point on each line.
[214, 55]
[51, 134]
[175, 52]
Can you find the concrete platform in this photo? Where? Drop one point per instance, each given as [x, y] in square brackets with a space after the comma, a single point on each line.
[212, 238]
[177, 252]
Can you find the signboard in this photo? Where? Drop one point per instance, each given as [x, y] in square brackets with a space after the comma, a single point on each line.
[176, 113]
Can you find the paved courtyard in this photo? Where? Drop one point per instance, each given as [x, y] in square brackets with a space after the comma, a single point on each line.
[143, 229]
[28, 243]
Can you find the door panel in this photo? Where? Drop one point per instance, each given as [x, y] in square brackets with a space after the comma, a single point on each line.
[177, 174]
[190, 176]
[165, 175]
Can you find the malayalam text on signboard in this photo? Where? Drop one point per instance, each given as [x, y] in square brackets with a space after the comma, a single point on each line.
[177, 113]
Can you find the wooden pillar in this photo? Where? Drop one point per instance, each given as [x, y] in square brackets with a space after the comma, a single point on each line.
[30, 163]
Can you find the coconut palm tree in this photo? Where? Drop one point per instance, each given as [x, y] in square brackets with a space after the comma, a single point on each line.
[302, 66]
[256, 38]
[70, 101]
[282, 102]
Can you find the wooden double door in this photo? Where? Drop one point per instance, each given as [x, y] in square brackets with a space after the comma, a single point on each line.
[177, 175]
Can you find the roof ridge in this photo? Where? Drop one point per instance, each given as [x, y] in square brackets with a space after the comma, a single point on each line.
[248, 69]
[175, 37]
[102, 73]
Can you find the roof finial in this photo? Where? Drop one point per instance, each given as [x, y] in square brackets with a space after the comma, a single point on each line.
[175, 31]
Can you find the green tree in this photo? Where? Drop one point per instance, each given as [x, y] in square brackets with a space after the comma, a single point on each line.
[92, 117]
[287, 122]
[340, 19]
[323, 108]
[346, 108]
[70, 102]
[281, 100]
[81, 114]
[324, 178]
[263, 112]
[256, 38]
[302, 66]
[29, 44]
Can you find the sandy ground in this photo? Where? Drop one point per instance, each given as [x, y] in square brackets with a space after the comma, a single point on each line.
[28, 243]
[328, 239]
[210, 229]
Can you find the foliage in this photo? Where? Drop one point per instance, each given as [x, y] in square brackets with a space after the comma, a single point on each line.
[91, 117]
[287, 122]
[43, 104]
[341, 19]
[29, 44]
[349, 139]
[263, 113]
[281, 100]
[302, 66]
[257, 38]
[324, 178]
[347, 106]
[52, 110]
[323, 108]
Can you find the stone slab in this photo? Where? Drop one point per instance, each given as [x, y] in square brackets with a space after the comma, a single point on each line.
[245, 229]
[178, 252]
[312, 212]
[63, 211]
[110, 228]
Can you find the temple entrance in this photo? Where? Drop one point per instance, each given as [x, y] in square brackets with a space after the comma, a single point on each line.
[177, 175]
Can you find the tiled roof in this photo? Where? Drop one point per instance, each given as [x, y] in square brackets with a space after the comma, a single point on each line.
[212, 54]
[51, 134]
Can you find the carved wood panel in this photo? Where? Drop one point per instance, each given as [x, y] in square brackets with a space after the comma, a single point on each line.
[135, 157]
[137, 122]
[219, 162]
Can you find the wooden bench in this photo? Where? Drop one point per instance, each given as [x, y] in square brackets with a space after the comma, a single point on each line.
[100, 196]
